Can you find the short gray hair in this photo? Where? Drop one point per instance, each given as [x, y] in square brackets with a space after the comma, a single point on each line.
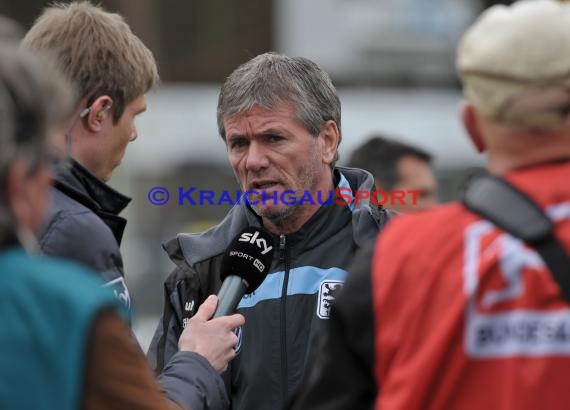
[271, 79]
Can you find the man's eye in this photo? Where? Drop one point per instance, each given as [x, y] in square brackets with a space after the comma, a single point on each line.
[274, 138]
[237, 143]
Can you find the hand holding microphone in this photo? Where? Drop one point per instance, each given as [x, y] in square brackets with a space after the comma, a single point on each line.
[212, 338]
[244, 267]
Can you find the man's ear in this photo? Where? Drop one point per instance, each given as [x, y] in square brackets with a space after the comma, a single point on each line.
[97, 113]
[470, 118]
[330, 136]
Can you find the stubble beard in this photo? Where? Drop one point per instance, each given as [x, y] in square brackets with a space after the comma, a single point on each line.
[286, 215]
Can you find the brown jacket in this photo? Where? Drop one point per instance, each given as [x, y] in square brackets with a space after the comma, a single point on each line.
[118, 375]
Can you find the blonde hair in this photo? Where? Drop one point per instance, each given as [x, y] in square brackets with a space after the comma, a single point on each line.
[97, 51]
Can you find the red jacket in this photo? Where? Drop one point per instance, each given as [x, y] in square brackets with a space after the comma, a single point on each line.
[466, 316]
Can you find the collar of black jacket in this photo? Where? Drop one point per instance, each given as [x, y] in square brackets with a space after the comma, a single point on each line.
[76, 181]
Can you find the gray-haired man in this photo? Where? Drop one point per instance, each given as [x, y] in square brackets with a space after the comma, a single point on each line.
[280, 120]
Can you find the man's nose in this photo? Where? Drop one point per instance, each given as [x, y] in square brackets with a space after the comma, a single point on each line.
[256, 157]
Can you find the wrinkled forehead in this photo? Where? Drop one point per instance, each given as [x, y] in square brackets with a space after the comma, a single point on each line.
[260, 119]
[282, 110]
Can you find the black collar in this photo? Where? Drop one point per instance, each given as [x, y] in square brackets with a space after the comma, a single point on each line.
[77, 182]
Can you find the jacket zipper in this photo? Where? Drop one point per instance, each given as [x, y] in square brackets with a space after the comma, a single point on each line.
[285, 261]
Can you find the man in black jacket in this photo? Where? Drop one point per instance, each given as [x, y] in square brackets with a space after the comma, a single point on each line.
[280, 120]
[112, 70]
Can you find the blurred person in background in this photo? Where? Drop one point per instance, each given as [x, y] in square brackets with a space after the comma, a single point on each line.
[397, 166]
[280, 120]
[461, 314]
[112, 70]
[10, 30]
[63, 339]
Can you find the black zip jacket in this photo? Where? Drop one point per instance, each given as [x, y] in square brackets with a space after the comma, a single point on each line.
[286, 312]
[342, 374]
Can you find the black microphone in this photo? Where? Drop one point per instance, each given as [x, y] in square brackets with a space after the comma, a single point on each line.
[244, 266]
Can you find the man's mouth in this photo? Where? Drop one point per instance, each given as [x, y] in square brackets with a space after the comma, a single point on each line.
[263, 185]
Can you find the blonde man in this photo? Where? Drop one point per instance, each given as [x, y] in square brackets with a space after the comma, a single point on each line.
[112, 70]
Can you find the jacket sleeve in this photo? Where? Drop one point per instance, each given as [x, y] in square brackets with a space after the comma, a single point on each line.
[341, 376]
[117, 375]
[189, 378]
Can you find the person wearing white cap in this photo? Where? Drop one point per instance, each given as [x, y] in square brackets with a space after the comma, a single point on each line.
[463, 314]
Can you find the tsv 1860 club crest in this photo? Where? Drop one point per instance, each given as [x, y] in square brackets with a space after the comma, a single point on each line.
[327, 294]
